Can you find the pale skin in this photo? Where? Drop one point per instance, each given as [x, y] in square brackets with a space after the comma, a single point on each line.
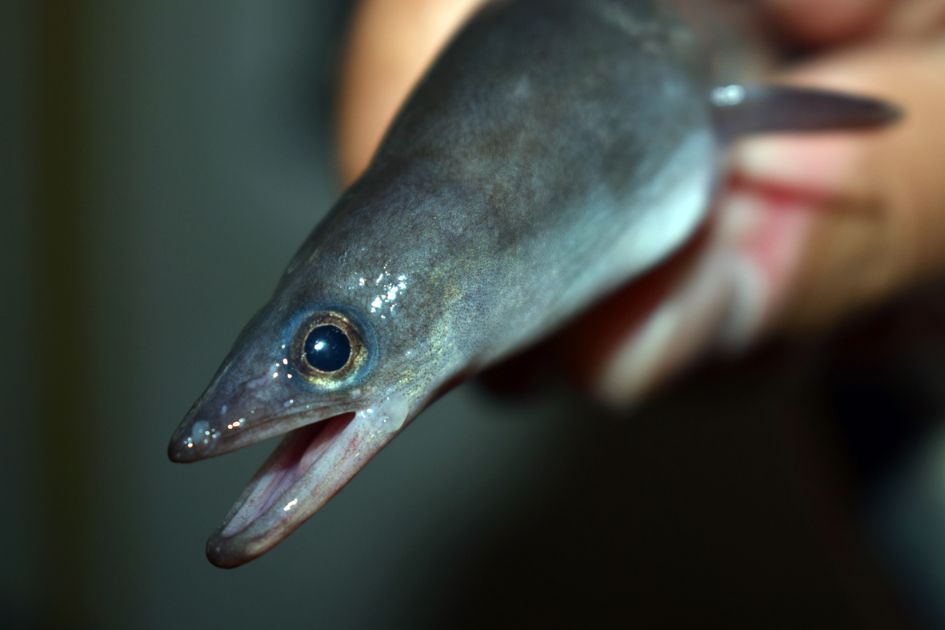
[812, 229]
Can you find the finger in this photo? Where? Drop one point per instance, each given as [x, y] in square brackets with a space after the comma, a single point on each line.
[881, 228]
[818, 227]
[390, 45]
[817, 23]
[916, 18]
[635, 341]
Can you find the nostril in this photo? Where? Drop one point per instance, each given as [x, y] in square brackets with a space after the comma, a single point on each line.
[191, 441]
[200, 435]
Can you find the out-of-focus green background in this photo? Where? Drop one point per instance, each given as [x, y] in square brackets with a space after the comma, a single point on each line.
[162, 159]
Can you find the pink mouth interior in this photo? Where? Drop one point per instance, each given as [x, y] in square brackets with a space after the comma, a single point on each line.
[292, 458]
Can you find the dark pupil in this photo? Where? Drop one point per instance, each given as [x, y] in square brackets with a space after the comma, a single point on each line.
[327, 348]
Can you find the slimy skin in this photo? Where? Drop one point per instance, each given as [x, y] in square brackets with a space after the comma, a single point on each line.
[556, 150]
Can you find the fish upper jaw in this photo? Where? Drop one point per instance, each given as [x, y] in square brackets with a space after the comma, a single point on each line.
[202, 435]
[237, 411]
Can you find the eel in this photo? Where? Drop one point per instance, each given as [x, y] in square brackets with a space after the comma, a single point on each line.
[554, 151]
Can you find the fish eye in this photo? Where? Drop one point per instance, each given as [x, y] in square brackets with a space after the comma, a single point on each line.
[327, 348]
[330, 349]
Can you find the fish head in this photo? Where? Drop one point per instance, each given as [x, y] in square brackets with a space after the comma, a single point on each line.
[337, 364]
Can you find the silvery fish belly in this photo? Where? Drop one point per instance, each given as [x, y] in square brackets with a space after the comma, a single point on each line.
[554, 151]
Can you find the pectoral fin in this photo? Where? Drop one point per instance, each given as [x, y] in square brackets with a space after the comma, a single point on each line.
[741, 110]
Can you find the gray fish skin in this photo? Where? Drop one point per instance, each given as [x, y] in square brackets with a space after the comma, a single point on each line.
[556, 150]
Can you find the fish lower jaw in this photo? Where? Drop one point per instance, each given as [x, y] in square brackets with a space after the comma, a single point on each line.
[309, 467]
[295, 455]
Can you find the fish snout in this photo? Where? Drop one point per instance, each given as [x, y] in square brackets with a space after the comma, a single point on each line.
[193, 440]
[221, 423]
[209, 429]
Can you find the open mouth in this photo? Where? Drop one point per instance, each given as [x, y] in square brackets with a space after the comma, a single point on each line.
[310, 465]
[279, 475]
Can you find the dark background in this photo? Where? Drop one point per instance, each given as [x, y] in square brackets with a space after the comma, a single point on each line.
[162, 159]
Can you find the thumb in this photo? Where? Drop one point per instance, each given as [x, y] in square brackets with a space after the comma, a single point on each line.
[390, 45]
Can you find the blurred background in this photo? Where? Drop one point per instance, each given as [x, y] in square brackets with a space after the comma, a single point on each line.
[162, 159]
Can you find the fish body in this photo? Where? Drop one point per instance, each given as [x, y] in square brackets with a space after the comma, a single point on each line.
[556, 150]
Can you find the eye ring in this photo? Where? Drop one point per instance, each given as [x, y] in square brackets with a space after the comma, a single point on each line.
[329, 350]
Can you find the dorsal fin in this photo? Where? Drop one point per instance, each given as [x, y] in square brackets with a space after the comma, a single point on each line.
[740, 110]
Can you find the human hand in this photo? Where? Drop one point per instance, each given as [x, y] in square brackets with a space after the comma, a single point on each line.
[811, 227]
